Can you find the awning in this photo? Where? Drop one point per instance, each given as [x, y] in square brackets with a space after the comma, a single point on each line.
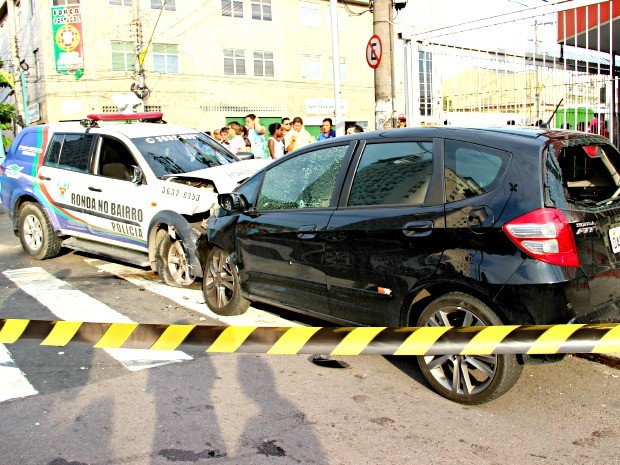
[594, 27]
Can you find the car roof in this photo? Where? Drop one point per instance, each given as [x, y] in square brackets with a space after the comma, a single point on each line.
[130, 130]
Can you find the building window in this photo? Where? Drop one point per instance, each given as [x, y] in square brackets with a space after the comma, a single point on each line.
[344, 75]
[123, 55]
[120, 2]
[37, 64]
[163, 4]
[66, 2]
[261, 9]
[234, 62]
[310, 14]
[311, 67]
[165, 58]
[263, 63]
[233, 8]
[426, 83]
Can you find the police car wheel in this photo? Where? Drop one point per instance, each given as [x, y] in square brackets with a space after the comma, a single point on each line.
[467, 379]
[36, 233]
[221, 286]
[172, 263]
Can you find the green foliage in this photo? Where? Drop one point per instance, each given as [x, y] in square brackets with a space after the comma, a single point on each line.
[7, 113]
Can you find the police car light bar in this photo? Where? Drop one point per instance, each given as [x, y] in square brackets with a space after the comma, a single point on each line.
[125, 116]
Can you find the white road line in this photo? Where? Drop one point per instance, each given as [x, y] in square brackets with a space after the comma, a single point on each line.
[13, 383]
[190, 298]
[71, 304]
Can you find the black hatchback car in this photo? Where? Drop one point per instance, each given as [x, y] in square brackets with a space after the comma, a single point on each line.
[428, 227]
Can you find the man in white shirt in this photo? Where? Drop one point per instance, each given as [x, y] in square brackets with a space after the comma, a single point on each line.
[297, 137]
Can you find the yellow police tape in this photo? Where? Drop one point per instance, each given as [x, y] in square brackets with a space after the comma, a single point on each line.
[472, 340]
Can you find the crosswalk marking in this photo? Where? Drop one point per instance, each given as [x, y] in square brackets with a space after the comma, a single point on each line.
[190, 298]
[69, 303]
[13, 383]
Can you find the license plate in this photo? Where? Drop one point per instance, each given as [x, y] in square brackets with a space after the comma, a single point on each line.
[614, 238]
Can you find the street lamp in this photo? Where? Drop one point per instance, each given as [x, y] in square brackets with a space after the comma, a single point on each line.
[22, 74]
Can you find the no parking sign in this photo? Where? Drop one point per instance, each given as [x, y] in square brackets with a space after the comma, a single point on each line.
[374, 49]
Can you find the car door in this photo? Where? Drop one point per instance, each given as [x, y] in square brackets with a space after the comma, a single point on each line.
[386, 234]
[63, 179]
[280, 243]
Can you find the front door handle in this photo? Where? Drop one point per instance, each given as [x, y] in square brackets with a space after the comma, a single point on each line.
[307, 231]
[44, 178]
[94, 189]
[418, 228]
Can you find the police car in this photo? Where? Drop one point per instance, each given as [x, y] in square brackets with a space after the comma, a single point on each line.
[120, 186]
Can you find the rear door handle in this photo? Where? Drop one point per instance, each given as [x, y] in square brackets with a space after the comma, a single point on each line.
[307, 231]
[44, 178]
[94, 189]
[418, 228]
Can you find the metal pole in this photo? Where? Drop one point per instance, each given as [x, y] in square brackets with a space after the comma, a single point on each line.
[336, 65]
[22, 75]
[383, 85]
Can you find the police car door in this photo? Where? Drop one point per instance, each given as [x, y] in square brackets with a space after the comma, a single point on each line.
[117, 213]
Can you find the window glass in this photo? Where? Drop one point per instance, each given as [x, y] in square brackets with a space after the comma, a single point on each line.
[311, 67]
[305, 181]
[310, 14]
[263, 63]
[261, 9]
[122, 56]
[165, 58]
[233, 8]
[472, 170]
[165, 4]
[393, 174]
[70, 151]
[28, 148]
[234, 62]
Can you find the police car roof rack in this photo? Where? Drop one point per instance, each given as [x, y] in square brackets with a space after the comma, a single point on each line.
[93, 119]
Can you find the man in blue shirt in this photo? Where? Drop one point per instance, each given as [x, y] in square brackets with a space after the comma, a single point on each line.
[326, 130]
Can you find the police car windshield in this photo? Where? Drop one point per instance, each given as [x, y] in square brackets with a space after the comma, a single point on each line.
[181, 153]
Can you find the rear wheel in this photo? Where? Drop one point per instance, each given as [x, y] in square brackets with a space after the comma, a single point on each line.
[221, 286]
[172, 263]
[36, 233]
[467, 379]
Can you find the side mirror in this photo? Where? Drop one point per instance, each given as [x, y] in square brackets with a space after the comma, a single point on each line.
[136, 174]
[233, 203]
[245, 155]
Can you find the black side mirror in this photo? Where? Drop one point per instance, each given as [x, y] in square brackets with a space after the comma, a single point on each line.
[245, 155]
[233, 203]
[136, 174]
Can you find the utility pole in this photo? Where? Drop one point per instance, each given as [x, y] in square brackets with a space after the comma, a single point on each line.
[384, 100]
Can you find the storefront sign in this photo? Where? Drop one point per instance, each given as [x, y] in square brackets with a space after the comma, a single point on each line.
[67, 33]
[324, 106]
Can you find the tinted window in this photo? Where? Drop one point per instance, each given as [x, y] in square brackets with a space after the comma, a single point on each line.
[393, 174]
[29, 147]
[306, 181]
[70, 151]
[472, 170]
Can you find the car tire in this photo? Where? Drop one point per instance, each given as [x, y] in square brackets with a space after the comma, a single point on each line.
[36, 233]
[221, 286]
[466, 379]
[172, 265]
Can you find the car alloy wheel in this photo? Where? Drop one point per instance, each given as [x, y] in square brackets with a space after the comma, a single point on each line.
[468, 379]
[173, 266]
[220, 286]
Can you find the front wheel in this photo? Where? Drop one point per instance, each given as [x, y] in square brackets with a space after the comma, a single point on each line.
[466, 379]
[36, 233]
[221, 286]
[172, 263]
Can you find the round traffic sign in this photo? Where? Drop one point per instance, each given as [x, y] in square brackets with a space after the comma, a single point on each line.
[374, 49]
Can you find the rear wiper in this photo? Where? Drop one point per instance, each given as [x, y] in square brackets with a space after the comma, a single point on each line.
[610, 199]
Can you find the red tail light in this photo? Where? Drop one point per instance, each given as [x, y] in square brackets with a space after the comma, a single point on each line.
[544, 234]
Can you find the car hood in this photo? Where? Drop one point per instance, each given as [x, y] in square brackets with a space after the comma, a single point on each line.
[225, 177]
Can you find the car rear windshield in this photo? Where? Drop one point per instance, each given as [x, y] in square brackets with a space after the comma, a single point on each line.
[181, 153]
[586, 171]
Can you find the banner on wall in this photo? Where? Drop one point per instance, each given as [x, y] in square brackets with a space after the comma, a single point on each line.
[67, 33]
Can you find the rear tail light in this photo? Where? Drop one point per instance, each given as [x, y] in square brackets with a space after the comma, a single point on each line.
[546, 235]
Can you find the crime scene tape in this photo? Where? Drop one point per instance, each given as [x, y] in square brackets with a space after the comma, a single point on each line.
[471, 340]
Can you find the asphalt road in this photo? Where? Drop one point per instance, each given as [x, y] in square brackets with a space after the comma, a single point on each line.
[93, 407]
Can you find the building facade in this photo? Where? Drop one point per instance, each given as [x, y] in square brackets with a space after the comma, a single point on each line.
[200, 63]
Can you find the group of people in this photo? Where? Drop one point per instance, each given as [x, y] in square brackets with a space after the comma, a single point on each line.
[284, 137]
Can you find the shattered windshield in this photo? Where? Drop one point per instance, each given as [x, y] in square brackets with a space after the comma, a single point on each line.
[181, 153]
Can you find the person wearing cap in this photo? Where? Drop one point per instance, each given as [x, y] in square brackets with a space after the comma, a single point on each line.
[401, 122]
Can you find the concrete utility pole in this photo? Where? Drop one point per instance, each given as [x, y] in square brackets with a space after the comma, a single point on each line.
[382, 18]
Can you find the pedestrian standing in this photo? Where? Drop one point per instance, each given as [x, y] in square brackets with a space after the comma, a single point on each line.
[256, 131]
[236, 144]
[276, 141]
[297, 137]
[224, 136]
[326, 130]
[401, 122]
